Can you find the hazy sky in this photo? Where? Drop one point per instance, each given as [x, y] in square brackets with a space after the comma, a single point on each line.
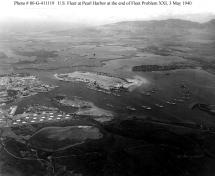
[103, 14]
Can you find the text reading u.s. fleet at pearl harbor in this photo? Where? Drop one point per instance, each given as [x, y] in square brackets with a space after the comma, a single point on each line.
[102, 3]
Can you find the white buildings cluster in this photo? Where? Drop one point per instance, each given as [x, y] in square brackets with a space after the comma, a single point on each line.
[31, 118]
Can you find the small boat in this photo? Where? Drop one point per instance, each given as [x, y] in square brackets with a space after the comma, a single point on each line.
[130, 108]
[146, 93]
[179, 100]
[158, 105]
[172, 103]
[146, 107]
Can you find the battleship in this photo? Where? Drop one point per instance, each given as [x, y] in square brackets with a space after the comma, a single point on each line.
[146, 107]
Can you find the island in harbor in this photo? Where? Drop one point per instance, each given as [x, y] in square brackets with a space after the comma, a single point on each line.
[102, 81]
[150, 68]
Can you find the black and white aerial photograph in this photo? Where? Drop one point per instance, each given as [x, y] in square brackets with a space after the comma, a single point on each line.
[107, 88]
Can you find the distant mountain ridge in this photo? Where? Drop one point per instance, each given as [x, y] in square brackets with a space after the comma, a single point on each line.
[160, 23]
[126, 27]
[159, 28]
